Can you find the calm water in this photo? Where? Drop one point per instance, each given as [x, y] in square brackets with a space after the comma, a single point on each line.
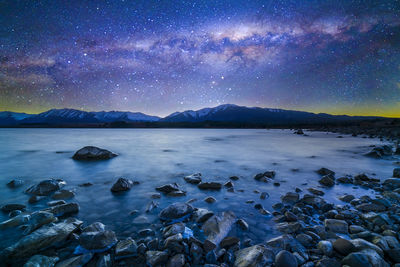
[158, 156]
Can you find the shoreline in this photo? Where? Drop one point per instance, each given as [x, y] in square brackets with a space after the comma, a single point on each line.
[314, 232]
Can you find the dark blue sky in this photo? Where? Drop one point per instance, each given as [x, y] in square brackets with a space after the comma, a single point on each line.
[161, 56]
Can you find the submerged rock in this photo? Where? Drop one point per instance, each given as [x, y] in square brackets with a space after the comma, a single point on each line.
[217, 228]
[63, 194]
[193, 179]
[44, 237]
[15, 183]
[122, 184]
[46, 187]
[93, 153]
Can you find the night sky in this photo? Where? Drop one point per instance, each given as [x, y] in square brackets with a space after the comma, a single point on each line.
[157, 57]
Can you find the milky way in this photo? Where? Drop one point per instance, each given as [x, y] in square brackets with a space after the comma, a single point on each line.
[158, 57]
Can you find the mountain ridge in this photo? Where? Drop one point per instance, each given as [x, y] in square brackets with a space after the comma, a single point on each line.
[226, 113]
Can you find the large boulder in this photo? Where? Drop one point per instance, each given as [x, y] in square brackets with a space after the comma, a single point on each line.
[93, 153]
[44, 237]
[217, 228]
[176, 212]
[255, 256]
[46, 187]
[122, 184]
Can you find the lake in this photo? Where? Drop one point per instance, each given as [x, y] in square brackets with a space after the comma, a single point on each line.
[159, 156]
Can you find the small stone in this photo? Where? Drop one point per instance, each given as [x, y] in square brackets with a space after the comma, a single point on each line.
[122, 184]
[325, 247]
[193, 179]
[327, 181]
[210, 200]
[346, 198]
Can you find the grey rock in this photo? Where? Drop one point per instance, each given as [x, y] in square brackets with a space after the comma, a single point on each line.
[93, 153]
[202, 215]
[327, 180]
[168, 188]
[367, 207]
[38, 219]
[210, 200]
[46, 187]
[177, 261]
[290, 198]
[289, 227]
[56, 203]
[336, 226]
[44, 237]
[63, 194]
[217, 228]
[97, 240]
[255, 256]
[325, 171]
[61, 210]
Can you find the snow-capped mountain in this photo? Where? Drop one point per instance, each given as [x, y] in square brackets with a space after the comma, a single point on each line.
[111, 116]
[242, 114]
[238, 115]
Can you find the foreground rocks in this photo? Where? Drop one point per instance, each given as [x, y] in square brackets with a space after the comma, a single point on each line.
[93, 153]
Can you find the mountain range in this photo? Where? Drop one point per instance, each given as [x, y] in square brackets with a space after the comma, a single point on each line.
[227, 113]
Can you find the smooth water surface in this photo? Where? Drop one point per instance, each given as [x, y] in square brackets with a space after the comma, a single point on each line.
[158, 156]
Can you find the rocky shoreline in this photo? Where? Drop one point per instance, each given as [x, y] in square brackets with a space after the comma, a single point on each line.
[363, 232]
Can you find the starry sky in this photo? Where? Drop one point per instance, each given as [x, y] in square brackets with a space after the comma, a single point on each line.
[158, 57]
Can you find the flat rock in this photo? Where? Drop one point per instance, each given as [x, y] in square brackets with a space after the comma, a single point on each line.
[44, 237]
[316, 191]
[367, 207]
[209, 186]
[93, 153]
[168, 188]
[46, 187]
[97, 240]
[12, 207]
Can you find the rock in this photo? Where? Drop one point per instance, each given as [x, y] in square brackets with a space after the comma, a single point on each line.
[94, 227]
[15, 221]
[365, 258]
[229, 241]
[396, 173]
[392, 183]
[61, 210]
[316, 191]
[210, 200]
[234, 178]
[12, 207]
[255, 256]
[325, 171]
[209, 186]
[104, 261]
[346, 198]
[345, 180]
[41, 261]
[178, 193]
[85, 184]
[289, 227]
[193, 179]
[361, 244]
[264, 195]
[176, 211]
[299, 132]
[343, 246]
[14, 184]
[177, 261]
[156, 258]
[34, 199]
[394, 254]
[290, 216]
[367, 207]
[99, 240]
[228, 184]
[217, 228]
[336, 226]
[56, 203]
[44, 237]
[93, 153]
[126, 248]
[265, 176]
[156, 196]
[325, 247]
[173, 243]
[46, 187]
[242, 224]
[305, 240]
[76, 261]
[168, 188]
[38, 219]
[122, 184]
[285, 259]
[63, 194]
[202, 215]
[151, 206]
[14, 213]
[290, 198]
[327, 181]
